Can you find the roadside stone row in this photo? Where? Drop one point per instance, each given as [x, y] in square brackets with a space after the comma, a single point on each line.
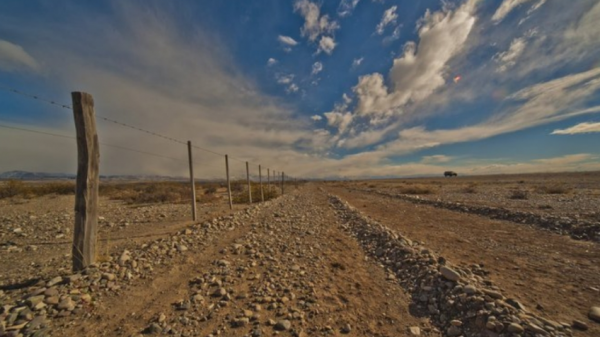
[29, 311]
[578, 229]
[461, 301]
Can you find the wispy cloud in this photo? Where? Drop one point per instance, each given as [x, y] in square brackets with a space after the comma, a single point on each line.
[315, 24]
[508, 58]
[326, 45]
[271, 62]
[579, 128]
[287, 40]
[436, 159]
[389, 17]
[13, 57]
[346, 7]
[317, 67]
[316, 118]
[508, 6]
[356, 62]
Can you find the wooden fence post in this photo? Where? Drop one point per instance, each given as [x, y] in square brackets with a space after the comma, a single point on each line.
[86, 195]
[228, 182]
[249, 185]
[192, 182]
[269, 180]
[262, 194]
[282, 182]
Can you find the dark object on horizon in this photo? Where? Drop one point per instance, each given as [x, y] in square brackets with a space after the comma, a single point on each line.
[450, 174]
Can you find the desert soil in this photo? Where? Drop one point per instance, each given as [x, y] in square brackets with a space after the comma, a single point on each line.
[305, 264]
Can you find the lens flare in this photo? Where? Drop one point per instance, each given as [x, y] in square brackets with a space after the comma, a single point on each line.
[457, 78]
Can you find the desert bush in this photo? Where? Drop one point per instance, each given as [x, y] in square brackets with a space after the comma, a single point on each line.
[554, 189]
[519, 195]
[210, 188]
[147, 192]
[415, 189]
[472, 188]
[242, 197]
[14, 188]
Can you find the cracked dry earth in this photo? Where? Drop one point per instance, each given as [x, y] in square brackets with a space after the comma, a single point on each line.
[305, 264]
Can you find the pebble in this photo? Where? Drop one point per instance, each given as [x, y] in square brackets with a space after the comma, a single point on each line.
[580, 325]
[283, 325]
[594, 314]
[449, 274]
[415, 331]
[515, 328]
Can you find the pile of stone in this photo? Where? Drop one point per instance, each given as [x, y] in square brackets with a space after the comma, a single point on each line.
[578, 229]
[460, 301]
[27, 311]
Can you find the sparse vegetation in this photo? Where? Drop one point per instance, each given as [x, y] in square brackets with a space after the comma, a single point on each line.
[519, 195]
[18, 188]
[242, 196]
[472, 188]
[415, 189]
[554, 189]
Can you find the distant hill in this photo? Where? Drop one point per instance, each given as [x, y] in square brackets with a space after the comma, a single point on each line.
[24, 175]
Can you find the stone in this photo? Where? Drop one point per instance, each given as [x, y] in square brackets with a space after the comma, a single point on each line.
[515, 328]
[54, 281]
[580, 325]
[493, 294]
[219, 292]
[346, 329]
[153, 329]
[456, 322]
[454, 331]
[536, 329]
[283, 325]
[449, 274]
[239, 322]
[414, 331]
[470, 289]
[52, 300]
[34, 300]
[66, 304]
[594, 314]
[109, 276]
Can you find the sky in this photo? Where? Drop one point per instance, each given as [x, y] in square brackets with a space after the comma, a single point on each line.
[318, 89]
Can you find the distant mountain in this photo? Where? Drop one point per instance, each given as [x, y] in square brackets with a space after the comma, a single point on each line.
[24, 175]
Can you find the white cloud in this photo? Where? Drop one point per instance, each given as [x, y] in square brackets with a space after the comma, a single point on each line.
[287, 40]
[416, 75]
[505, 8]
[327, 45]
[436, 159]
[284, 79]
[314, 24]
[271, 62]
[579, 128]
[292, 88]
[395, 35]
[316, 118]
[317, 68]
[346, 7]
[13, 57]
[357, 62]
[508, 59]
[389, 17]
[339, 120]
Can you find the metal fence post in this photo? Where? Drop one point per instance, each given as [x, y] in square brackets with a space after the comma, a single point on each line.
[192, 182]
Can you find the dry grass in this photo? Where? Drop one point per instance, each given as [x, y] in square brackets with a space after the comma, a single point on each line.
[472, 188]
[554, 189]
[415, 189]
[17, 188]
[519, 195]
[241, 197]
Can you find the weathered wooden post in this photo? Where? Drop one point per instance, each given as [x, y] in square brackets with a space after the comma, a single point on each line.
[269, 179]
[228, 182]
[262, 194]
[192, 182]
[282, 182]
[86, 195]
[249, 185]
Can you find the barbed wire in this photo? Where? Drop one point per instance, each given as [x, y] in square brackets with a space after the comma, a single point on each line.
[107, 119]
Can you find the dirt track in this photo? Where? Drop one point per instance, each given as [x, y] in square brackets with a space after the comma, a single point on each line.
[303, 266]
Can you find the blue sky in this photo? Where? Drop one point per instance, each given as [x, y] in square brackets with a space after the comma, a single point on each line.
[349, 88]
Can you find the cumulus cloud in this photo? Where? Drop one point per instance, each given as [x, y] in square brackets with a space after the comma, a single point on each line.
[340, 117]
[292, 88]
[508, 59]
[271, 62]
[286, 40]
[436, 159]
[346, 7]
[389, 17]
[326, 45]
[420, 70]
[13, 57]
[316, 118]
[315, 24]
[284, 79]
[579, 128]
[317, 68]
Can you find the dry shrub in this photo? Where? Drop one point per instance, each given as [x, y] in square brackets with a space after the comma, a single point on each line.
[472, 188]
[519, 195]
[554, 189]
[415, 189]
[147, 192]
[18, 188]
[242, 197]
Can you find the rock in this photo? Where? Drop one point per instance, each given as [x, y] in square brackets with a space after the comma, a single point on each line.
[51, 300]
[346, 329]
[54, 281]
[493, 294]
[34, 300]
[153, 329]
[182, 248]
[454, 331]
[283, 325]
[594, 314]
[219, 292]
[470, 289]
[415, 331]
[456, 322]
[449, 274]
[580, 325]
[109, 276]
[239, 322]
[66, 304]
[515, 328]
[536, 329]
